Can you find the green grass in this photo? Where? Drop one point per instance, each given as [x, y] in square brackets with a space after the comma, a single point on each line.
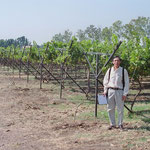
[142, 107]
[142, 114]
[77, 98]
[143, 139]
[133, 92]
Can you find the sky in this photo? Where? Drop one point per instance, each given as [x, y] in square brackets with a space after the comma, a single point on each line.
[40, 20]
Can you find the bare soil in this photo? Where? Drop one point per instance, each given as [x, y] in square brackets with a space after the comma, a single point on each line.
[35, 119]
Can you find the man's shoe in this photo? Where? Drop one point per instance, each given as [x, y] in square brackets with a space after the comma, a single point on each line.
[111, 127]
[121, 127]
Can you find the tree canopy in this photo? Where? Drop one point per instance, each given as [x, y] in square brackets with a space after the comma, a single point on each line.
[20, 41]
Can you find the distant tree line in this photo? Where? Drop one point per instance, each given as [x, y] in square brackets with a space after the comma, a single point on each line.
[136, 28]
[21, 41]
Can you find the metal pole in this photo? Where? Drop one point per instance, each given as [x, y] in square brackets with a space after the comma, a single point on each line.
[13, 59]
[41, 74]
[28, 64]
[96, 85]
[20, 64]
[41, 66]
[61, 67]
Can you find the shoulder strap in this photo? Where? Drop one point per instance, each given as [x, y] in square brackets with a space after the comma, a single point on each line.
[123, 83]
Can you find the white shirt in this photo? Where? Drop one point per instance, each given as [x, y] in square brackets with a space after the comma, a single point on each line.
[115, 80]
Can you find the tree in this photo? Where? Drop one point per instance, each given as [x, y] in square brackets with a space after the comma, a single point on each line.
[22, 41]
[66, 37]
[10, 42]
[2, 43]
[137, 28]
[93, 33]
[81, 35]
[117, 29]
[58, 37]
[107, 34]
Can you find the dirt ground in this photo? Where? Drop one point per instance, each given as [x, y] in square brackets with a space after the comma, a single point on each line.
[35, 119]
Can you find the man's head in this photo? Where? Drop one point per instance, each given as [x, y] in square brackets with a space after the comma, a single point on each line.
[116, 61]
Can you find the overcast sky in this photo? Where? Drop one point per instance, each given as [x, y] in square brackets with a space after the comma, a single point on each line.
[39, 20]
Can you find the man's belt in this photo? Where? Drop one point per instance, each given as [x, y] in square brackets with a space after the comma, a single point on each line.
[115, 88]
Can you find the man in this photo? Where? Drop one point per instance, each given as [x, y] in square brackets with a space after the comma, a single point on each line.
[116, 91]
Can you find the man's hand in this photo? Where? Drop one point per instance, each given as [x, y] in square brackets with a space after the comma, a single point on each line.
[104, 94]
[124, 98]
